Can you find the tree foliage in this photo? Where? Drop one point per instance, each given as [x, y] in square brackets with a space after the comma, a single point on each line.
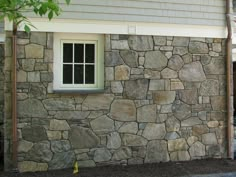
[15, 10]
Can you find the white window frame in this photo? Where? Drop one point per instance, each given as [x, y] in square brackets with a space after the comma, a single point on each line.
[59, 40]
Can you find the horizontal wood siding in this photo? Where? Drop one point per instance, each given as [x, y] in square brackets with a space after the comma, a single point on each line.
[191, 12]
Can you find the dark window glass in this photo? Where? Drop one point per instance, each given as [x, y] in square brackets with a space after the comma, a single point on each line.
[79, 74]
[67, 53]
[79, 53]
[89, 76]
[67, 74]
[89, 53]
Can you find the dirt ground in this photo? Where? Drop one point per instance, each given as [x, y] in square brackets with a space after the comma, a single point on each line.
[169, 169]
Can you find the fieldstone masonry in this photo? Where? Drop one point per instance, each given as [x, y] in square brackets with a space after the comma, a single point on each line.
[164, 100]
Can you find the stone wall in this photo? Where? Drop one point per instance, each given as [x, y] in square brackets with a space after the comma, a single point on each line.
[164, 100]
[1, 103]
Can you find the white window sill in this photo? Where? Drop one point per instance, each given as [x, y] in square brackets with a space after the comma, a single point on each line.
[87, 91]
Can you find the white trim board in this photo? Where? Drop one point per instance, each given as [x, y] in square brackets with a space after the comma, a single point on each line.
[109, 27]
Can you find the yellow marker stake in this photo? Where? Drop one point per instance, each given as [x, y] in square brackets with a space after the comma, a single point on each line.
[76, 168]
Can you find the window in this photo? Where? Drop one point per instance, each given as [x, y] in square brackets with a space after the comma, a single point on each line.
[78, 62]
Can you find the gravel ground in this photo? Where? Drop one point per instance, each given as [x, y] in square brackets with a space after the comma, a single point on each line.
[169, 169]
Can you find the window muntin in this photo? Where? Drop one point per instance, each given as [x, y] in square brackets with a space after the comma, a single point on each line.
[79, 63]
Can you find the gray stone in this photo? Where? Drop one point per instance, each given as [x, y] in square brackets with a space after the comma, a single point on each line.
[179, 156]
[113, 58]
[136, 89]
[157, 152]
[120, 45]
[180, 51]
[197, 150]
[38, 38]
[177, 145]
[141, 43]
[180, 41]
[209, 88]
[109, 73]
[123, 110]
[155, 60]
[24, 146]
[48, 55]
[133, 140]
[122, 154]
[171, 136]
[157, 85]
[59, 104]
[172, 124]
[83, 156]
[60, 146]
[199, 130]
[181, 110]
[102, 155]
[191, 140]
[30, 166]
[175, 63]
[218, 103]
[28, 64]
[113, 140]
[196, 47]
[191, 122]
[147, 113]
[78, 115]
[129, 127]
[168, 73]
[40, 152]
[205, 59]
[102, 125]
[59, 125]
[117, 87]
[192, 72]
[82, 138]
[164, 97]
[33, 76]
[216, 47]
[54, 135]
[150, 74]
[166, 108]
[34, 51]
[31, 108]
[209, 139]
[122, 72]
[154, 131]
[34, 133]
[130, 58]
[68, 159]
[98, 102]
[46, 76]
[189, 96]
[159, 40]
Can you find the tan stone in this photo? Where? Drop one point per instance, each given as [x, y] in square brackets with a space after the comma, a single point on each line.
[24, 146]
[218, 103]
[59, 125]
[164, 97]
[199, 129]
[122, 72]
[213, 124]
[191, 140]
[179, 156]
[177, 145]
[176, 84]
[34, 51]
[97, 102]
[21, 76]
[54, 135]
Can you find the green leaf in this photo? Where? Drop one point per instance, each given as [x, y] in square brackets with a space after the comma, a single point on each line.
[50, 15]
[27, 29]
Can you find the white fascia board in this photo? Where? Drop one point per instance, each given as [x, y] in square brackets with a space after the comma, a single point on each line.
[109, 27]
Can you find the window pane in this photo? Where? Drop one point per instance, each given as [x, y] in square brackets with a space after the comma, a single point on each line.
[89, 74]
[79, 53]
[67, 74]
[79, 74]
[90, 53]
[67, 53]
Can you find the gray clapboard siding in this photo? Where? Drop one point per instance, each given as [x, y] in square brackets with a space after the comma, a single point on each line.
[192, 12]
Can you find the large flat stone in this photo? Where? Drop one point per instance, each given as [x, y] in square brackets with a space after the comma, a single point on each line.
[34, 51]
[181, 110]
[82, 138]
[102, 125]
[58, 146]
[113, 140]
[59, 125]
[98, 102]
[136, 89]
[197, 150]
[209, 139]
[164, 97]
[210, 88]
[180, 156]
[191, 122]
[147, 113]
[31, 108]
[59, 104]
[123, 110]
[72, 115]
[68, 159]
[192, 72]
[177, 145]
[216, 66]
[122, 72]
[197, 47]
[157, 152]
[133, 140]
[129, 127]
[175, 63]
[113, 58]
[122, 154]
[130, 58]
[34, 133]
[102, 155]
[140, 43]
[172, 124]
[218, 103]
[154, 131]
[30, 166]
[189, 96]
[155, 60]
